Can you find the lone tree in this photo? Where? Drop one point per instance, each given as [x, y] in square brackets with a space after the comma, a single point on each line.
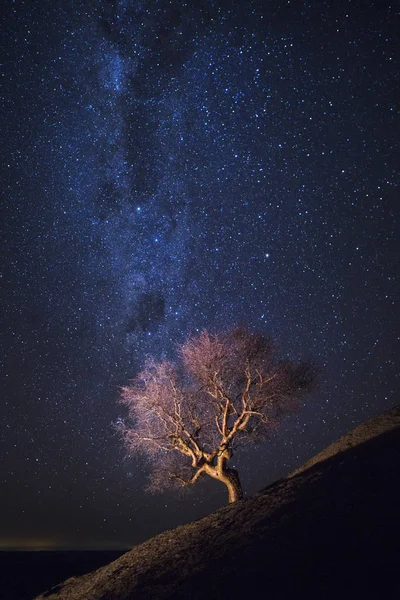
[227, 391]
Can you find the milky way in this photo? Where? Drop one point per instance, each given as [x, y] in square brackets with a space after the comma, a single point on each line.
[170, 167]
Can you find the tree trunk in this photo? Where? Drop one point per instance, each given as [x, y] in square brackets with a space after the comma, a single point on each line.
[227, 476]
[231, 479]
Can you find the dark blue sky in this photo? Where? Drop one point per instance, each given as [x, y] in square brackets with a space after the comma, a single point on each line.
[169, 167]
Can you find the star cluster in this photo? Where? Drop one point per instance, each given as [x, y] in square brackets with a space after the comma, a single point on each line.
[169, 167]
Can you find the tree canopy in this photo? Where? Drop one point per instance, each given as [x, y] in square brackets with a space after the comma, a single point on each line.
[226, 390]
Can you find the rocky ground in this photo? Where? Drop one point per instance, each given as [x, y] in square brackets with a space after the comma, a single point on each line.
[328, 530]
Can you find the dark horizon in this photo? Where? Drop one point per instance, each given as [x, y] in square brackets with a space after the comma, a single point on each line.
[65, 549]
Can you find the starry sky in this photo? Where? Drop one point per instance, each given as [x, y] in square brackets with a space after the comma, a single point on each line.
[169, 167]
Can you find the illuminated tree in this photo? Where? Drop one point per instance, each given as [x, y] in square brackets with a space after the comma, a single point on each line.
[226, 391]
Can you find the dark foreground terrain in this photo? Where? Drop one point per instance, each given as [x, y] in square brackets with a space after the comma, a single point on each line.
[23, 575]
[329, 530]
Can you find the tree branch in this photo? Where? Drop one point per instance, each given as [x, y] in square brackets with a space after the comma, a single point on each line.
[190, 481]
[218, 425]
[225, 417]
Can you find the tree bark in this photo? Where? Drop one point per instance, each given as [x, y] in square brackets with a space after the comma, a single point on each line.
[228, 477]
[231, 479]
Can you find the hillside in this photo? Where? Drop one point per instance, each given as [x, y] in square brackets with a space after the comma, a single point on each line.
[329, 530]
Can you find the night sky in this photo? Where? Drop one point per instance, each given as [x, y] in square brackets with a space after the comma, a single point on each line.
[169, 167]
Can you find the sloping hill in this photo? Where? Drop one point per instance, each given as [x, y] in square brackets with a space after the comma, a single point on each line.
[387, 421]
[329, 530]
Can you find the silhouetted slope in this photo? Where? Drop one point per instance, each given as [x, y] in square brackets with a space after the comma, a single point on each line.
[384, 422]
[329, 531]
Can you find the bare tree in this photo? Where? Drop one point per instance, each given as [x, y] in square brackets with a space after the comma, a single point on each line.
[227, 391]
